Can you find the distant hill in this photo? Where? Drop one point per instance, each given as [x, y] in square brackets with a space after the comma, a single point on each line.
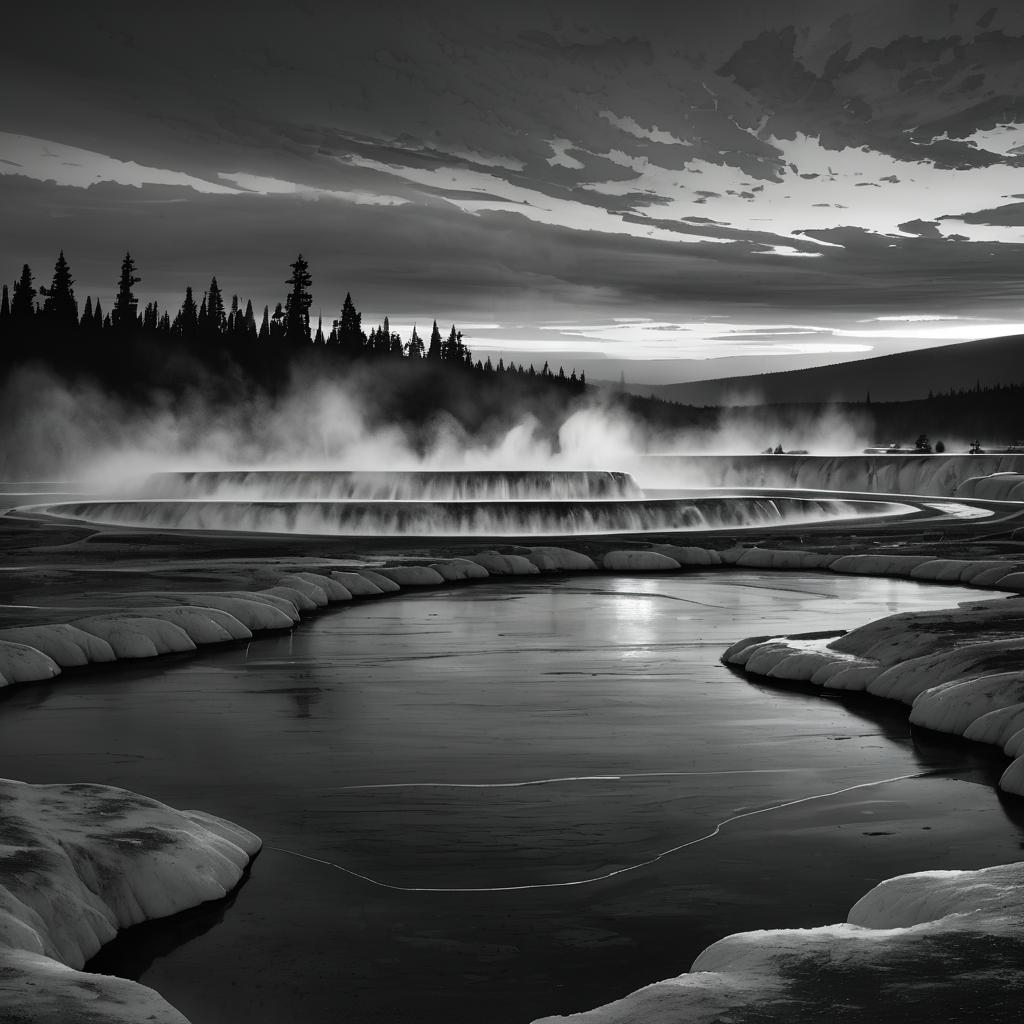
[901, 377]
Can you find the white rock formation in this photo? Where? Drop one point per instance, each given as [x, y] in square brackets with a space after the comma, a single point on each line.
[282, 604]
[907, 680]
[690, 555]
[203, 625]
[313, 591]
[1014, 746]
[548, 559]
[457, 570]
[80, 862]
[1012, 780]
[989, 574]
[299, 600]
[772, 558]
[996, 727]
[334, 589]
[68, 646]
[639, 561]
[952, 707]
[252, 612]
[22, 664]
[383, 583]
[498, 564]
[356, 585]
[137, 636]
[878, 565]
[412, 575]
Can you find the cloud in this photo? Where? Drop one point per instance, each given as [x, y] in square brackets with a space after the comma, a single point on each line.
[630, 126]
[561, 158]
[71, 167]
[524, 162]
[264, 186]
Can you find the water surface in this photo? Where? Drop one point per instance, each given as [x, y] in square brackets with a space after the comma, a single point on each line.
[471, 758]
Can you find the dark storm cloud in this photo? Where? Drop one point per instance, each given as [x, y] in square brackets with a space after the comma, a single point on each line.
[545, 156]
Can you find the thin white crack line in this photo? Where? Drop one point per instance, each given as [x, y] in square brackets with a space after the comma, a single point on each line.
[566, 778]
[608, 874]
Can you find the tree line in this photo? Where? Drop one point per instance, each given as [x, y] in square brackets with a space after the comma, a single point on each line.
[125, 347]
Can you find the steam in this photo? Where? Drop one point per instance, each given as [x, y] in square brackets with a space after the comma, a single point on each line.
[53, 430]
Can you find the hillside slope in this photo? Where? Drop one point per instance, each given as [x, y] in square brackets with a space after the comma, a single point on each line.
[900, 377]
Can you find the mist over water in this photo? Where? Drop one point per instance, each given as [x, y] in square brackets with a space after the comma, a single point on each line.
[54, 430]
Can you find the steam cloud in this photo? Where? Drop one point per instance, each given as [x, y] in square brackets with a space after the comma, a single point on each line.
[55, 431]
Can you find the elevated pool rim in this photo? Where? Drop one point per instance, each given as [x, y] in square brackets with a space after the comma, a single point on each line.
[880, 512]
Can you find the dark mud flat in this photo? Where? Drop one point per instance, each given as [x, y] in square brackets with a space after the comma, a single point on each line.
[516, 738]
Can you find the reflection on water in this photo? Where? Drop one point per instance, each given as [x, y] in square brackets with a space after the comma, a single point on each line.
[511, 734]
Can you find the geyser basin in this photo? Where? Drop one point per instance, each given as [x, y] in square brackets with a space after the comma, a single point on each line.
[470, 518]
[393, 485]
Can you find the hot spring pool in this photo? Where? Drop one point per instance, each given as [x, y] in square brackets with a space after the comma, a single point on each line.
[524, 735]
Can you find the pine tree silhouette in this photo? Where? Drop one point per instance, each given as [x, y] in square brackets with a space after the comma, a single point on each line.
[60, 308]
[188, 318]
[23, 298]
[349, 329]
[298, 303]
[414, 350]
[434, 348]
[249, 324]
[216, 321]
[124, 316]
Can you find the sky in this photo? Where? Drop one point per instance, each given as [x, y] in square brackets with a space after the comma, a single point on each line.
[667, 191]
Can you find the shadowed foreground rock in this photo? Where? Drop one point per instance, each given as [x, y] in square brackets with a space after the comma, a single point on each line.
[77, 864]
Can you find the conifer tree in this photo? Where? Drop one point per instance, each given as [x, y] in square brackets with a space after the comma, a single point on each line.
[188, 318]
[215, 318]
[5, 307]
[60, 307]
[86, 322]
[319, 339]
[23, 297]
[414, 350]
[350, 327]
[124, 316]
[264, 334]
[249, 325]
[277, 322]
[434, 348]
[298, 302]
